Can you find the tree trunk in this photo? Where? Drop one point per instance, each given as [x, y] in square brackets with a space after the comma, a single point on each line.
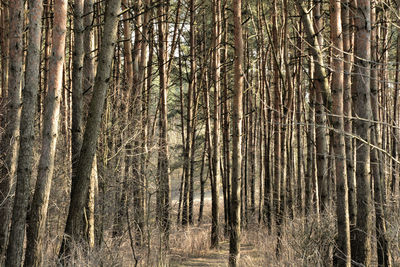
[38, 212]
[77, 92]
[362, 110]
[234, 245]
[215, 178]
[87, 84]
[322, 100]
[163, 162]
[202, 182]
[347, 112]
[383, 251]
[84, 166]
[27, 133]
[343, 255]
[9, 142]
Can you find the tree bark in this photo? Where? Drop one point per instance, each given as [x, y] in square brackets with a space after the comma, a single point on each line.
[9, 143]
[27, 132]
[343, 254]
[87, 84]
[347, 112]
[322, 100]
[382, 247]
[234, 245]
[362, 110]
[215, 178]
[77, 92]
[163, 161]
[38, 211]
[84, 165]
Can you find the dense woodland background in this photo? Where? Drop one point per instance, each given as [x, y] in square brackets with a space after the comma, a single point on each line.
[184, 132]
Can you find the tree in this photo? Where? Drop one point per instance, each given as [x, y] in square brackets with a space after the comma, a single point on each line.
[215, 179]
[9, 143]
[38, 212]
[237, 111]
[343, 253]
[84, 166]
[383, 251]
[27, 133]
[163, 162]
[362, 110]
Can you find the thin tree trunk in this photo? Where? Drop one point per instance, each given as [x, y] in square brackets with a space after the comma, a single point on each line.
[347, 104]
[343, 254]
[215, 178]
[383, 252]
[202, 182]
[226, 126]
[234, 245]
[192, 89]
[163, 162]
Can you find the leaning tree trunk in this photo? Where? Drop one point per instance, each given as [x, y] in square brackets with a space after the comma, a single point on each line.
[84, 166]
[234, 245]
[26, 156]
[322, 96]
[38, 212]
[9, 141]
[362, 110]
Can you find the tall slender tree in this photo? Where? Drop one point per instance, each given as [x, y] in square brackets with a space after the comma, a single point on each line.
[362, 110]
[163, 162]
[343, 253]
[237, 116]
[215, 179]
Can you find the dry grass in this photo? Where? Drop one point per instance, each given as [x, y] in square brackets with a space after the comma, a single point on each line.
[304, 242]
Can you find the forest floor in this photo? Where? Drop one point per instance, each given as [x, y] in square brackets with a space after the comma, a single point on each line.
[304, 242]
[216, 257]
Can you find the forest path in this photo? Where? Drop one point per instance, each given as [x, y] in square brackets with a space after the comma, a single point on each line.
[215, 258]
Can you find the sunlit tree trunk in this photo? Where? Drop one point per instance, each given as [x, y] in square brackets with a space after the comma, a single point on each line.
[38, 212]
[27, 130]
[84, 166]
[343, 254]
